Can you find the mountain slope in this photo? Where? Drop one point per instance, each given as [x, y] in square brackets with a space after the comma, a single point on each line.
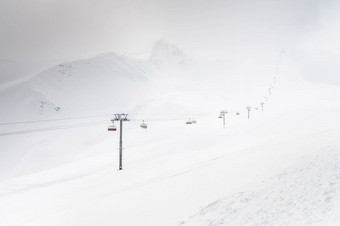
[280, 166]
[99, 86]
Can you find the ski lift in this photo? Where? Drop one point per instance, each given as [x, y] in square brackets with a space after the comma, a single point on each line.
[143, 125]
[112, 128]
[237, 113]
[220, 116]
[189, 121]
[193, 121]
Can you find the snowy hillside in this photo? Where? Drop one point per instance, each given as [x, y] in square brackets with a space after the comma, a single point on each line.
[306, 193]
[279, 167]
[70, 88]
[11, 70]
[99, 86]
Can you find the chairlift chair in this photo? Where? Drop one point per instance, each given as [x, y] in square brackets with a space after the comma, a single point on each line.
[189, 121]
[143, 125]
[112, 128]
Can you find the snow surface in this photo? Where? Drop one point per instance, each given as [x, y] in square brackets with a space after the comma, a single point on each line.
[280, 167]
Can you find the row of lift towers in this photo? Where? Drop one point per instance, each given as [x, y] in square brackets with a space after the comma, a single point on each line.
[224, 112]
[124, 117]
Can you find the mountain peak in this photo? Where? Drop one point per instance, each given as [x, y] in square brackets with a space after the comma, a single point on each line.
[164, 52]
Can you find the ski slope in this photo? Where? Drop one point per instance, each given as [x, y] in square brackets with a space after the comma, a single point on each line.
[280, 167]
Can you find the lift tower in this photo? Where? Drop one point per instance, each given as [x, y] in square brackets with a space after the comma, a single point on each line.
[121, 117]
[222, 115]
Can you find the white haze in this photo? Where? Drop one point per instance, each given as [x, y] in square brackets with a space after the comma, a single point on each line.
[67, 66]
[207, 29]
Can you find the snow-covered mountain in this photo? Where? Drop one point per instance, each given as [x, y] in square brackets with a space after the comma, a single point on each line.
[279, 167]
[102, 85]
[82, 86]
[11, 70]
[105, 83]
[164, 53]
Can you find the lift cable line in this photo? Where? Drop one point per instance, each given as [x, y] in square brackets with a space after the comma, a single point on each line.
[141, 114]
[52, 120]
[94, 116]
[71, 126]
[222, 115]
[123, 118]
[83, 124]
[173, 114]
[160, 119]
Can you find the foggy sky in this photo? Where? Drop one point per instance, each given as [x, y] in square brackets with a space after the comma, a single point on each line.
[73, 29]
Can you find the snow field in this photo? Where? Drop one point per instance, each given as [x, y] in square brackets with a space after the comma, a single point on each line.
[278, 168]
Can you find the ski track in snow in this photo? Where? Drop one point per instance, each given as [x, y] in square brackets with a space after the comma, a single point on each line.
[301, 195]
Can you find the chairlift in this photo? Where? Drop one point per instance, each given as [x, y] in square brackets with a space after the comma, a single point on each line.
[112, 128]
[143, 125]
[220, 116]
[237, 113]
[193, 121]
[189, 121]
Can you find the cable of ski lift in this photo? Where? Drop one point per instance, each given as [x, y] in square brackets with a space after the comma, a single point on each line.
[53, 128]
[110, 128]
[52, 120]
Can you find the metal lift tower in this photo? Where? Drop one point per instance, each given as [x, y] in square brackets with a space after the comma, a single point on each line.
[121, 118]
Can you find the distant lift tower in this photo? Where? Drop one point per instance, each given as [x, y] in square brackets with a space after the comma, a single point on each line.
[120, 118]
[222, 115]
[248, 109]
[262, 104]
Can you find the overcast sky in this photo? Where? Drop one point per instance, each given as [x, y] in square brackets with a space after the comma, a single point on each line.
[73, 29]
